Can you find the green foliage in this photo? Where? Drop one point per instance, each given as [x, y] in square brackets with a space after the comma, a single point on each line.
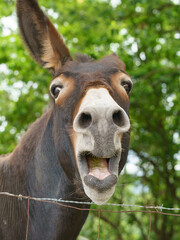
[145, 35]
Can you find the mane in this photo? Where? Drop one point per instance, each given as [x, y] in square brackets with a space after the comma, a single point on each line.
[79, 57]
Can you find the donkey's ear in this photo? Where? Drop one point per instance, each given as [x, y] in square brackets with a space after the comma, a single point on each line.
[41, 37]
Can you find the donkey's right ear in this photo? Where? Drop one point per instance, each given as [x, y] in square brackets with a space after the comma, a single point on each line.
[41, 37]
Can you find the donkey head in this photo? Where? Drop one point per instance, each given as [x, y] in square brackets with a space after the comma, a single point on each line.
[91, 102]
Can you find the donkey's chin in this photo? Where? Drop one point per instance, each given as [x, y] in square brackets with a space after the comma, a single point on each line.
[97, 197]
[99, 176]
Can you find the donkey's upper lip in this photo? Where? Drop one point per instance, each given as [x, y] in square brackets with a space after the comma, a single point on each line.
[97, 155]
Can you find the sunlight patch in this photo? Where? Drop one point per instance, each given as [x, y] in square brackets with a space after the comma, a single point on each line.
[9, 25]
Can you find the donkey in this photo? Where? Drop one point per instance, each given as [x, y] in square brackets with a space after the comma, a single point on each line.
[77, 148]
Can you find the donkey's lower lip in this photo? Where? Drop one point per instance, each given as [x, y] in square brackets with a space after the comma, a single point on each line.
[101, 185]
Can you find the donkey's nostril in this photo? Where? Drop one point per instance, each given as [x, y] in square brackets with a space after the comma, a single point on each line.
[118, 118]
[85, 120]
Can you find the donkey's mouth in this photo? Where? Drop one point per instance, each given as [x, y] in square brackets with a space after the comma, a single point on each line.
[97, 172]
[98, 167]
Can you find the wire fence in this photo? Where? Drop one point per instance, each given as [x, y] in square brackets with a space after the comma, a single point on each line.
[63, 203]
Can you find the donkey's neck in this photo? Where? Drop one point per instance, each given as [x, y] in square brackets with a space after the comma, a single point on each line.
[37, 172]
[36, 159]
[48, 178]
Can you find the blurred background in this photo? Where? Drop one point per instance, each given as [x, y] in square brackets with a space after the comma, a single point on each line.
[146, 36]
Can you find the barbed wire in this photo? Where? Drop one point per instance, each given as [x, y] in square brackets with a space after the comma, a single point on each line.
[60, 200]
[63, 203]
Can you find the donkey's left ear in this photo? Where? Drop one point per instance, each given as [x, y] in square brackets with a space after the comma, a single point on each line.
[41, 37]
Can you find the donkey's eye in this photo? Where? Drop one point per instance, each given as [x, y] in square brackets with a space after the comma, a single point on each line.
[55, 90]
[127, 85]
